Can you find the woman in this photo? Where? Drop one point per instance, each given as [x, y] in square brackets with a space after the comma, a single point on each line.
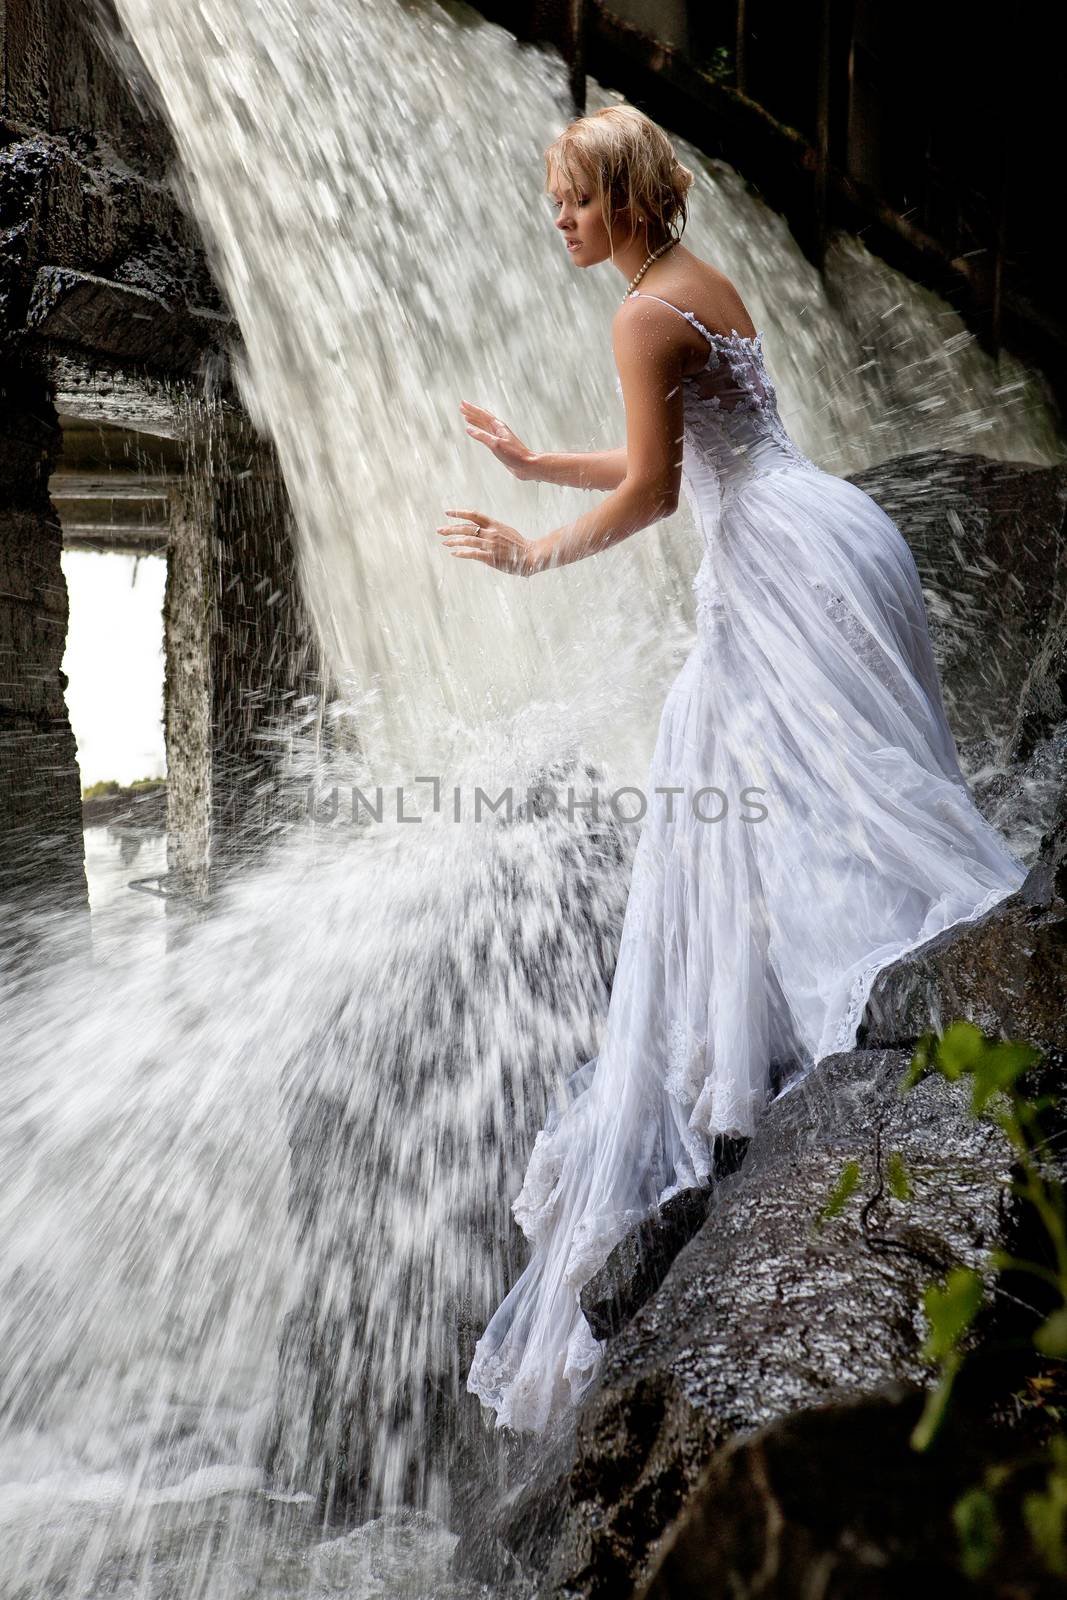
[751, 941]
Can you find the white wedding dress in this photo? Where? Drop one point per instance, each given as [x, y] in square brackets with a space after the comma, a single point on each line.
[750, 944]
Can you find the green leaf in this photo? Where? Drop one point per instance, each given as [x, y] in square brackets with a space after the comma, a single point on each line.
[925, 1430]
[950, 1311]
[960, 1049]
[1045, 1516]
[897, 1177]
[998, 1068]
[842, 1189]
[978, 1530]
[921, 1061]
[1051, 1337]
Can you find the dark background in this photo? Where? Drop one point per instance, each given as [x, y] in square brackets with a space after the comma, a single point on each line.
[931, 130]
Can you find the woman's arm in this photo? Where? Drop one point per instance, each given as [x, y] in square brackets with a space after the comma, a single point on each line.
[598, 469]
[650, 371]
[601, 469]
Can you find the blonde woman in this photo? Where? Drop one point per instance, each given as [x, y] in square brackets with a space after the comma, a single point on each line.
[808, 822]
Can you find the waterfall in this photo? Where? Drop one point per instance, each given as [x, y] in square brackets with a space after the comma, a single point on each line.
[256, 1196]
[369, 178]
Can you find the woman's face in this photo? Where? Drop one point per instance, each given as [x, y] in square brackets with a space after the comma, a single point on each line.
[579, 220]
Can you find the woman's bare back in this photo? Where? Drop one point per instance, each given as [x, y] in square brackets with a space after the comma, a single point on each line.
[695, 285]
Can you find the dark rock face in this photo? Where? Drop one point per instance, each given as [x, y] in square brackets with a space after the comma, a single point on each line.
[763, 1315]
[988, 539]
[1047, 881]
[838, 1492]
[98, 261]
[101, 259]
[1042, 703]
[90, 221]
[121, 320]
[41, 851]
[1007, 974]
[640, 1262]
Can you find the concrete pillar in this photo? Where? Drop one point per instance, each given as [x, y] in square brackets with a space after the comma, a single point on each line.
[239, 652]
[42, 864]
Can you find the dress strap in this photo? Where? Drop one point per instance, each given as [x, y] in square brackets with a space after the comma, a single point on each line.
[688, 315]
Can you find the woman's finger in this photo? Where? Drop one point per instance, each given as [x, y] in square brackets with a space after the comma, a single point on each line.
[478, 517]
[473, 555]
[477, 414]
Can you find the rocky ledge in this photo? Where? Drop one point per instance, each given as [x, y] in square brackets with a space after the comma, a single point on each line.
[713, 1387]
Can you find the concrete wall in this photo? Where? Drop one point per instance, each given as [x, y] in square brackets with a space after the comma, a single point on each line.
[105, 301]
[239, 651]
[41, 859]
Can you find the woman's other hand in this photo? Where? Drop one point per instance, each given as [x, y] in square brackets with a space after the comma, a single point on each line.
[479, 538]
[498, 437]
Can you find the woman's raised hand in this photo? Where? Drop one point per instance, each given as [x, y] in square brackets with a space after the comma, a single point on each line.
[498, 437]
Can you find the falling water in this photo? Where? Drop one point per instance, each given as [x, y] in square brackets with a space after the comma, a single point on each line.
[256, 1194]
[369, 177]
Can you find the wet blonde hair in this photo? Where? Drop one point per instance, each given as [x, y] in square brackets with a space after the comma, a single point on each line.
[632, 167]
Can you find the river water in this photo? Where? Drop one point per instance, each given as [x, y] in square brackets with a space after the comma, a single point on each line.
[317, 1102]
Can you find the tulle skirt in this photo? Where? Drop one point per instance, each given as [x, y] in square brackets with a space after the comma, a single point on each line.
[807, 824]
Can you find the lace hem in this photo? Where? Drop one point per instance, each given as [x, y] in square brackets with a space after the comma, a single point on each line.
[537, 1203]
[538, 1207]
[844, 1038]
[522, 1400]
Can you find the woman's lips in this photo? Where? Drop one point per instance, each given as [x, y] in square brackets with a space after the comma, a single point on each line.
[574, 244]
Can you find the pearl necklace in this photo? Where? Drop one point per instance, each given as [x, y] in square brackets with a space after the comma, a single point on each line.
[636, 279]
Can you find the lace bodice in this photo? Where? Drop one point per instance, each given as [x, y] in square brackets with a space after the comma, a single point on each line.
[732, 435]
[731, 423]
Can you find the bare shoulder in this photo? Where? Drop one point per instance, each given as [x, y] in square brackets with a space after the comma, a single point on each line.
[637, 330]
[696, 285]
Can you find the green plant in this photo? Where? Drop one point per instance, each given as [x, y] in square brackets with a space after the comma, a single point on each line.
[841, 1191]
[110, 786]
[718, 62]
[994, 1068]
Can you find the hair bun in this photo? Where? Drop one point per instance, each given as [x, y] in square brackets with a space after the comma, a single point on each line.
[630, 164]
[683, 178]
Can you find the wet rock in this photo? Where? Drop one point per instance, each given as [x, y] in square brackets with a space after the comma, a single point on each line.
[1042, 703]
[86, 212]
[1047, 881]
[85, 156]
[763, 1314]
[640, 1262]
[988, 539]
[1007, 974]
[121, 320]
[41, 845]
[834, 1501]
